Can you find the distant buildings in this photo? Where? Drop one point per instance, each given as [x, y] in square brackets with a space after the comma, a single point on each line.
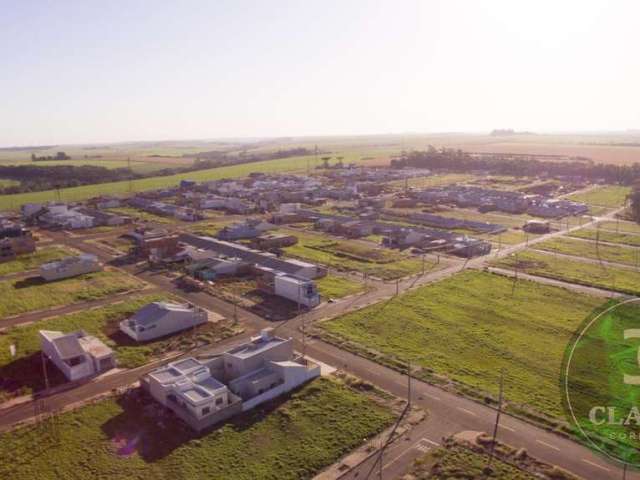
[70, 267]
[15, 240]
[159, 319]
[63, 216]
[76, 354]
[205, 392]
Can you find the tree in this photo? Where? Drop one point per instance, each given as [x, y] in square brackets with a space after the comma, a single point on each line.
[634, 197]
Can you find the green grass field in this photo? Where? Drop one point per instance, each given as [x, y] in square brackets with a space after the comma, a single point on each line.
[466, 328]
[574, 271]
[607, 236]
[587, 249]
[347, 255]
[612, 196]
[33, 260]
[621, 226]
[142, 215]
[5, 182]
[26, 295]
[289, 440]
[334, 286]
[22, 374]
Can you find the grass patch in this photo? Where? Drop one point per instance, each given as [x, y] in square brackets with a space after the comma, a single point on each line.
[621, 226]
[466, 328]
[574, 271]
[346, 255]
[587, 249]
[612, 196]
[26, 295]
[22, 374]
[286, 440]
[606, 236]
[334, 286]
[33, 260]
[141, 215]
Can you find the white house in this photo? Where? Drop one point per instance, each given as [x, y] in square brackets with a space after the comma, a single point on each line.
[159, 319]
[70, 267]
[76, 354]
[205, 392]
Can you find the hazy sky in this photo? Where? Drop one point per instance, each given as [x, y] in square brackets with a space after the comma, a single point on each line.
[90, 71]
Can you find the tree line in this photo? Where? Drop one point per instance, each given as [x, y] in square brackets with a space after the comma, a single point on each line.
[460, 161]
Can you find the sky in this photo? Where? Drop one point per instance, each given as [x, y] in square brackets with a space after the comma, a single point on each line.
[92, 72]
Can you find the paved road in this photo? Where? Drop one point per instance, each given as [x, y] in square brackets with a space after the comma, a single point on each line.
[449, 413]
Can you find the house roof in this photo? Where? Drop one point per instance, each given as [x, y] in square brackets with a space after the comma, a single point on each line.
[152, 312]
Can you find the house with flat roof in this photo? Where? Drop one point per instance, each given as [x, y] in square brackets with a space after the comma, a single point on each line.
[70, 267]
[209, 391]
[77, 354]
[159, 319]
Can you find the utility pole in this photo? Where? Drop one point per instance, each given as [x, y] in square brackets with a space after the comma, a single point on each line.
[397, 286]
[495, 428]
[44, 371]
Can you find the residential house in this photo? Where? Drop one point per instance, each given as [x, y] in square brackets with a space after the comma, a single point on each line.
[159, 319]
[70, 267]
[76, 354]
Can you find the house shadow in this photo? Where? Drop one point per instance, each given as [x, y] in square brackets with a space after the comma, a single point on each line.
[153, 432]
[26, 374]
[30, 282]
[272, 307]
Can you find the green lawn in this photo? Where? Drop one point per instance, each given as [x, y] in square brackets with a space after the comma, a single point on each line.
[607, 236]
[609, 196]
[348, 255]
[510, 237]
[334, 286]
[466, 328]
[292, 439]
[33, 260]
[574, 271]
[26, 295]
[621, 226]
[22, 374]
[587, 249]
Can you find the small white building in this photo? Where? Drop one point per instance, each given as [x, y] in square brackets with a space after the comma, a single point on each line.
[159, 319]
[76, 354]
[70, 267]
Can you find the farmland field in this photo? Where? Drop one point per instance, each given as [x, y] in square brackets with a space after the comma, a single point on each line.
[33, 260]
[587, 249]
[609, 196]
[25, 295]
[607, 236]
[347, 255]
[291, 439]
[574, 271]
[466, 328]
[22, 374]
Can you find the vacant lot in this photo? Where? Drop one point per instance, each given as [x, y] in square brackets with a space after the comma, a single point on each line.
[591, 250]
[457, 462]
[33, 293]
[574, 271]
[621, 226]
[142, 215]
[607, 236]
[433, 181]
[118, 439]
[29, 261]
[466, 328]
[334, 286]
[348, 255]
[23, 373]
[610, 196]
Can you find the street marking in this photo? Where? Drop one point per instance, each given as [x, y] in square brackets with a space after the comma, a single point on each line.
[431, 396]
[420, 445]
[508, 428]
[548, 445]
[468, 412]
[596, 465]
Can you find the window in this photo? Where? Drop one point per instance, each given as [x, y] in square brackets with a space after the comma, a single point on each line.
[219, 400]
[206, 410]
[75, 361]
